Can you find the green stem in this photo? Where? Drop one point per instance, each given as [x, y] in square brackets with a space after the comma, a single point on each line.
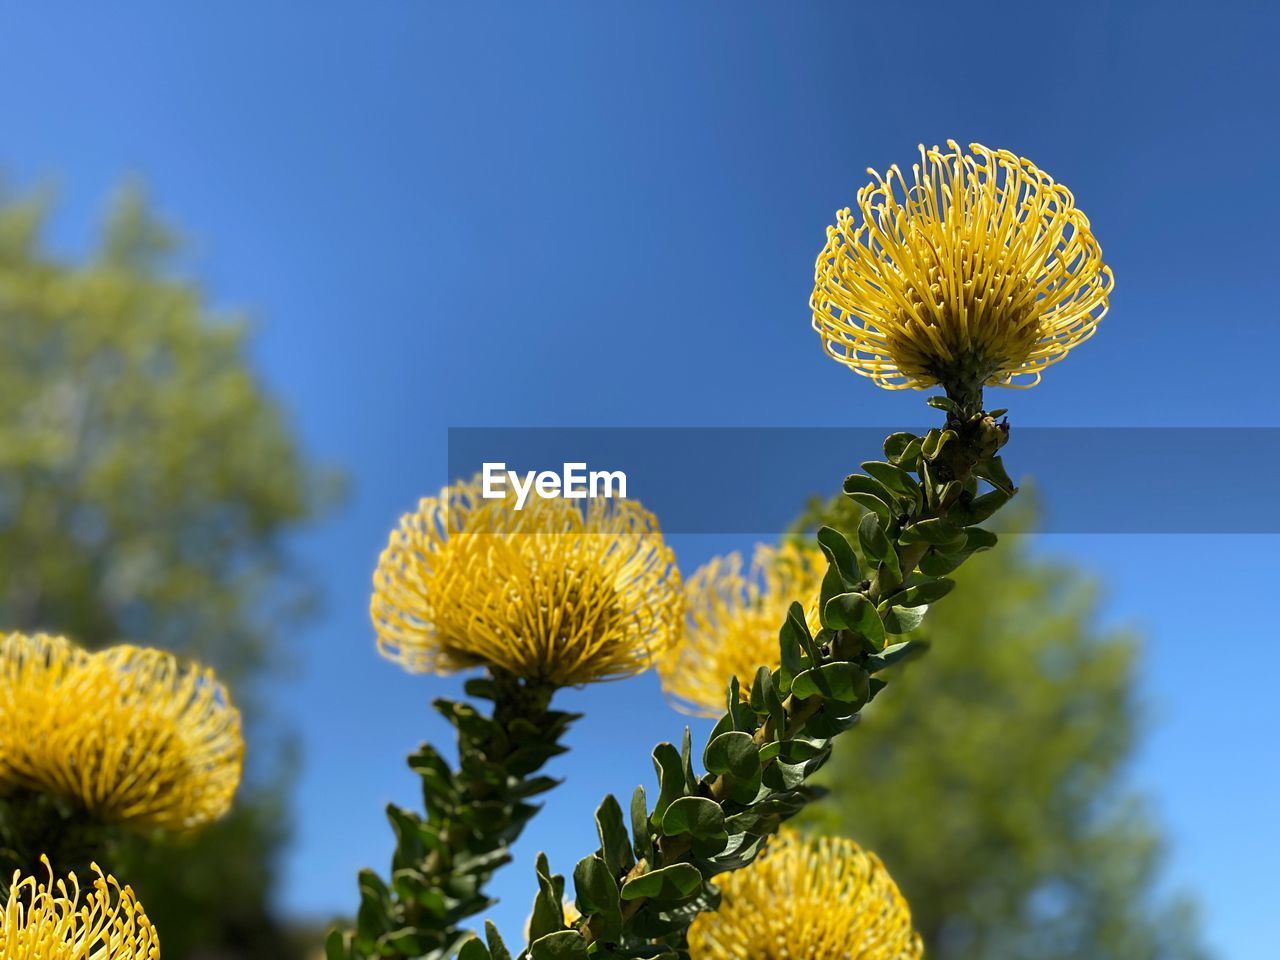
[915, 528]
[443, 861]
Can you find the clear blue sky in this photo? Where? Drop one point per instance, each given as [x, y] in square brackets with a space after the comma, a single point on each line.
[607, 214]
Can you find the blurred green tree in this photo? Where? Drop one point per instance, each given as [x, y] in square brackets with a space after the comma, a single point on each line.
[147, 483]
[992, 782]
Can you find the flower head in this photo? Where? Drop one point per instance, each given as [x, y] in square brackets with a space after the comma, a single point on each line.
[980, 269]
[128, 734]
[732, 621]
[57, 920]
[822, 899]
[551, 593]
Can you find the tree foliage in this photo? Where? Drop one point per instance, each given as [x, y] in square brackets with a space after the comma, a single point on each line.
[147, 480]
[990, 776]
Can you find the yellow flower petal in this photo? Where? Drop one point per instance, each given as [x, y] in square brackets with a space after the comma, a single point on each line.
[57, 920]
[823, 899]
[733, 619]
[128, 733]
[550, 593]
[978, 269]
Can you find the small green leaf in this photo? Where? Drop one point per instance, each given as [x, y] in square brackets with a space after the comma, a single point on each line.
[777, 713]
[565, 945]
[808, 643]
[872, 503]
[994, 473]
[473, 949]
[790, 660]
[758, 699]
[597, 896]
[853, 611]
[534, 786]
[800, 749]
[832, 585]
[895, 479]
[734, 753]
[700, 818]
[765, 816]
[733, 695]
[840, 681]
[670, 769]
[948, 492]
[935, 531]
[922, 594]
[875, 545]
[934, 441]
[938, 564]
[796, 628]
[680, 881]
[615, 845]
[496, 946]
[338, 945]
[897, 653]
[977, 539]
[858, 485]
[640, 824]
[978, 509]
[902, 449]
[783, 775]
[903, 619]
[686, 742]
[944, 403]
[840, 555]
[548, 909]
[483, 688]
[940, 561]
[373, 917]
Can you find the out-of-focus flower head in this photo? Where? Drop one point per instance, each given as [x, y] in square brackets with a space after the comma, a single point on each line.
[128, 734]
[732, 621]
[57, 920]
[979, 269]
[818, 899]
[553, 593]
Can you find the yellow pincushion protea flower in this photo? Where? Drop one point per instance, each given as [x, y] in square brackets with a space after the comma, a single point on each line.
[57, 920]
[551, 593]
[979, 270]
[128, 734]
[732, 622]
[821, 899]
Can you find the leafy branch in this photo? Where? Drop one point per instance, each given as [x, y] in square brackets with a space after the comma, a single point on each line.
[474, 813]
[639, 892]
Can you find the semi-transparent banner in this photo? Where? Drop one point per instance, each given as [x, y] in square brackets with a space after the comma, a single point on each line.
[757, 480]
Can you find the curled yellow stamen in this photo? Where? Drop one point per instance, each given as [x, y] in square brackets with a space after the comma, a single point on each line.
[807, 898]
[551, 593]
[979, 268]
[129, 734]
[58, 920]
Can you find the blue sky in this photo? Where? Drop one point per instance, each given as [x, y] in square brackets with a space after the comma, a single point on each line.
[607, 214]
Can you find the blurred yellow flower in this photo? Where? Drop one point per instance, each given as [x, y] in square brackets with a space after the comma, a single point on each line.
[57, 920]
[979, 270]
[128, 734]
[818, 899]
[732, 622]
[551, 593]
